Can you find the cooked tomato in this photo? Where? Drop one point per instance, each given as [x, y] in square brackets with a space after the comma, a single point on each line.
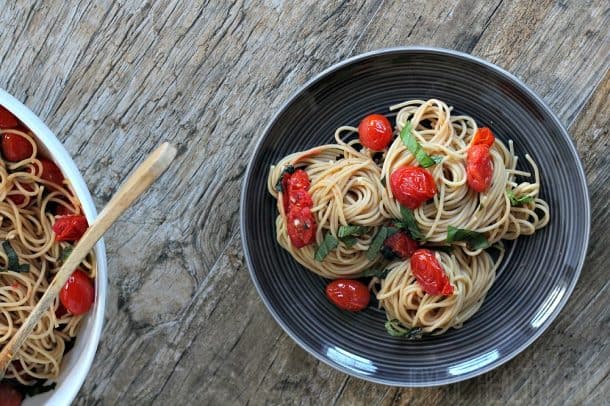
[7, 119]
[483, 136]
[9, 395]
[61, 210]
[479, 169]
[412, 186]
[77, 294]
[300, 198]
[348, 294]
[301, 226]
[16, 148]
[399, 245]
[60, 311]
[429, 273]
[375, 132]
[298, 181]
[50, 172]
[70, 228]
[16, 196]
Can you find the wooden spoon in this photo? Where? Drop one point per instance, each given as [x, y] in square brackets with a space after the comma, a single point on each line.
[134, 186]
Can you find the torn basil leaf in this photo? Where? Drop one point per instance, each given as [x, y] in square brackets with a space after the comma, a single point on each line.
[13, 259]
[408, 223]
[288, 169]
[36, 389]
[407, 137]
[66, 253]
[329, 244]
[370, 273]
[396, 329]
[349, 241]
[375, 247]
[518, 200]
[351, 231]
[474, 240]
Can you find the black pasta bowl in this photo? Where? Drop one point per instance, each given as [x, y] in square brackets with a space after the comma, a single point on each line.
[534, 280]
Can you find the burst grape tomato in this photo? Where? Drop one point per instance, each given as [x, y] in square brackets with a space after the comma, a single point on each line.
[483, 136]
[429, 273]
[479, 168]
[301, 226]
[375, 132]
[412, 186]
[7, 119]
[50, 172]
[78, 293]
[348, 294]
[401, 245]
[70, 228]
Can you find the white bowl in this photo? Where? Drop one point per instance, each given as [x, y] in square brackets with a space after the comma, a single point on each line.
[77, 362]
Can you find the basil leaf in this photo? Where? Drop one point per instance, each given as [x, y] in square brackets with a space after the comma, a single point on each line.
[437, 159]
[415, 147]
[66, 253]
[13, 259]
[410, 224]
[383, 182]
[278, 185]
[518, 201]
[351, 231]
[37, 389]
[396, 329]
[375, 247]
[369, 273]
[349, 241]
[329, 244]
[474, 240]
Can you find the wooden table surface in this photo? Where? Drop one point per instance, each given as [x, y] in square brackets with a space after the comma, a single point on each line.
[184, 324]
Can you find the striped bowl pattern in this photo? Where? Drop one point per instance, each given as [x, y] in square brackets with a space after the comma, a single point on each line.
[534, 281]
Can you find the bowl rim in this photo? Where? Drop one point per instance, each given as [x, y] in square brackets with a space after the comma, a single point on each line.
[66, 390]
[433, 51]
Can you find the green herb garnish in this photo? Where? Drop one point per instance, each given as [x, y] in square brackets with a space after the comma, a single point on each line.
[396, 329]
[518, 200]
[66, 253]
[380, 237]
[408, 223]
[407, 137]
[347, 234]
[370, 273]
[474, 240]
[329, 244]
[36, 389]
[278, 185]
[13, 259]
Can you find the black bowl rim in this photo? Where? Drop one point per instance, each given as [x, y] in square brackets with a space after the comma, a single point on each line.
[582, 182]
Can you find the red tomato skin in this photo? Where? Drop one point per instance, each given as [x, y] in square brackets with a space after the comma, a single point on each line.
[412, 186]
[483, 136]
[348, 294]
[9, 395]
[299, 181]
[429, 273]
[375, 132]
[301, 226]
[18, 198]
[61, 210]
[7, 119]
[479, 168]
[51, 172]
[70, 228]
[300, 198]
[15, 148]
[78, 293]
[401, 245]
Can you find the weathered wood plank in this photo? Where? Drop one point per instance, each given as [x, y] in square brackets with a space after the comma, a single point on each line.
[115, 78]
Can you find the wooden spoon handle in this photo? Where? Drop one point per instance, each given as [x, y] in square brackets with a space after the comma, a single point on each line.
[136, 184]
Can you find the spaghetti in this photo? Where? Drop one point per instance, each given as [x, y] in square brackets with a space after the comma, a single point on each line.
[435, 178]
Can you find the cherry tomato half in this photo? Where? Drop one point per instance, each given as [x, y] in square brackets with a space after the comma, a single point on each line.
[50, 172]
[16, 196]
[78, 294]
[10, 395]
[412, 186]
[483, 136]
[7, 119]
[429, 273]
[348, 294]
[479, 169]
[375, 132]
[70, 228]
[15, 148]
[301, 226]
[298, 181]
[400, 245]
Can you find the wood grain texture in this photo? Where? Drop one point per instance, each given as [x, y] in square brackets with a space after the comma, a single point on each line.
[184, 323]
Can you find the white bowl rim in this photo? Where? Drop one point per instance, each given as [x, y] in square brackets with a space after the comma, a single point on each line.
[72, 378]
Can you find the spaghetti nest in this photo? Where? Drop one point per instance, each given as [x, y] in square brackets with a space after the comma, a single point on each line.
[26, 222]
[351, 185]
